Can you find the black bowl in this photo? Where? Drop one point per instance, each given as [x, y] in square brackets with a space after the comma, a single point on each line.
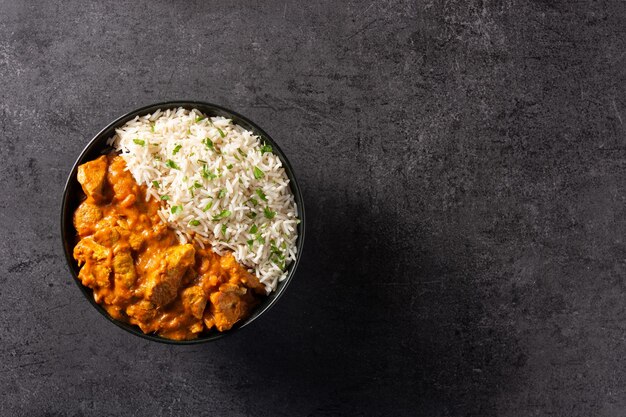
[73, 194]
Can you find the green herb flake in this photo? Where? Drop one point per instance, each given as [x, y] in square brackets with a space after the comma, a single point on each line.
[224, 229]
[202, 161]
[208, 206]
[152, 126]
[209, 144]
[250, 242]
[194, 222]
[176, 149]
[199, 119]
[261, 194]
[223, 214]
[275, 250]
[171, 164]
[242, 153]
[222, 134]
[266, 149]
[251, 215]
[229, 166]
[253, 229]
[253, 201]
[165, 197]
[221, 193]
[139, 142]
[207, 174]
[196, 184]
[258, 174]
[156, 184]
[177, 209]
[269, 213]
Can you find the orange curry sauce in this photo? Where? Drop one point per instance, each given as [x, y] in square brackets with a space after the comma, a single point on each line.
[138, 270]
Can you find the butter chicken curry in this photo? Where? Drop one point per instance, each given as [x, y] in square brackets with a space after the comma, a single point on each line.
[140, 273]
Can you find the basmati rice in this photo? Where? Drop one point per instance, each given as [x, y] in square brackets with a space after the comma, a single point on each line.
[219, 185]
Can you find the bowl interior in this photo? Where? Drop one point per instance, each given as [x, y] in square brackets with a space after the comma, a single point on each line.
[73, 193]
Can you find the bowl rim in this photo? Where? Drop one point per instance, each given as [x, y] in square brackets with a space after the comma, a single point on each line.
[188, 104]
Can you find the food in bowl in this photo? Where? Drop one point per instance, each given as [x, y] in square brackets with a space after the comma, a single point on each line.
[186, 226]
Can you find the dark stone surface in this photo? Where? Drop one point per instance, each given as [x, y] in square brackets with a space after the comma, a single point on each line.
[464, 171]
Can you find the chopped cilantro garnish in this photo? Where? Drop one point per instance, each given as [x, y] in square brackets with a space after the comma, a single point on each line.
[224, 229]
[221, 193]
[196, 184]
[172, 164]
[139, 142]
[156, 184]
[208, 206]
[165, 198]
[209, 144]
[261, 194]
[265, 148]
[177, 209]
[194, 222]
[222, 134]
[207, 174]
[223, 214]
[275, 250]
[251, 215]
[199, 119]
[242, 153]
[176, 149]
[254, 229]
[229, 166]
[258, 174]
[269, 213]
[253, 201]
[250, 242]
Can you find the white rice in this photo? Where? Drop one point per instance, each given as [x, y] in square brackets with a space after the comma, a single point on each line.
[213, 195]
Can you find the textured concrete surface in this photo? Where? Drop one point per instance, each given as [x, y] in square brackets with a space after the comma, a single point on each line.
[464, 170]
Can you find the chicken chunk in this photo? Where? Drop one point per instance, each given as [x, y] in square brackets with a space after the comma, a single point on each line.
[124, 268]
[94, 257]
[85, 218]
[194, 301]
[239, 274]
[178, 259]
[229, 305]
[107, 236]
[94, 275]
[162, 285]
[88, 250]
[91, 176]
[143, 314]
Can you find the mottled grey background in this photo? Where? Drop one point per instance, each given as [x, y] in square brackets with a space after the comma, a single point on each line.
[464, 170]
